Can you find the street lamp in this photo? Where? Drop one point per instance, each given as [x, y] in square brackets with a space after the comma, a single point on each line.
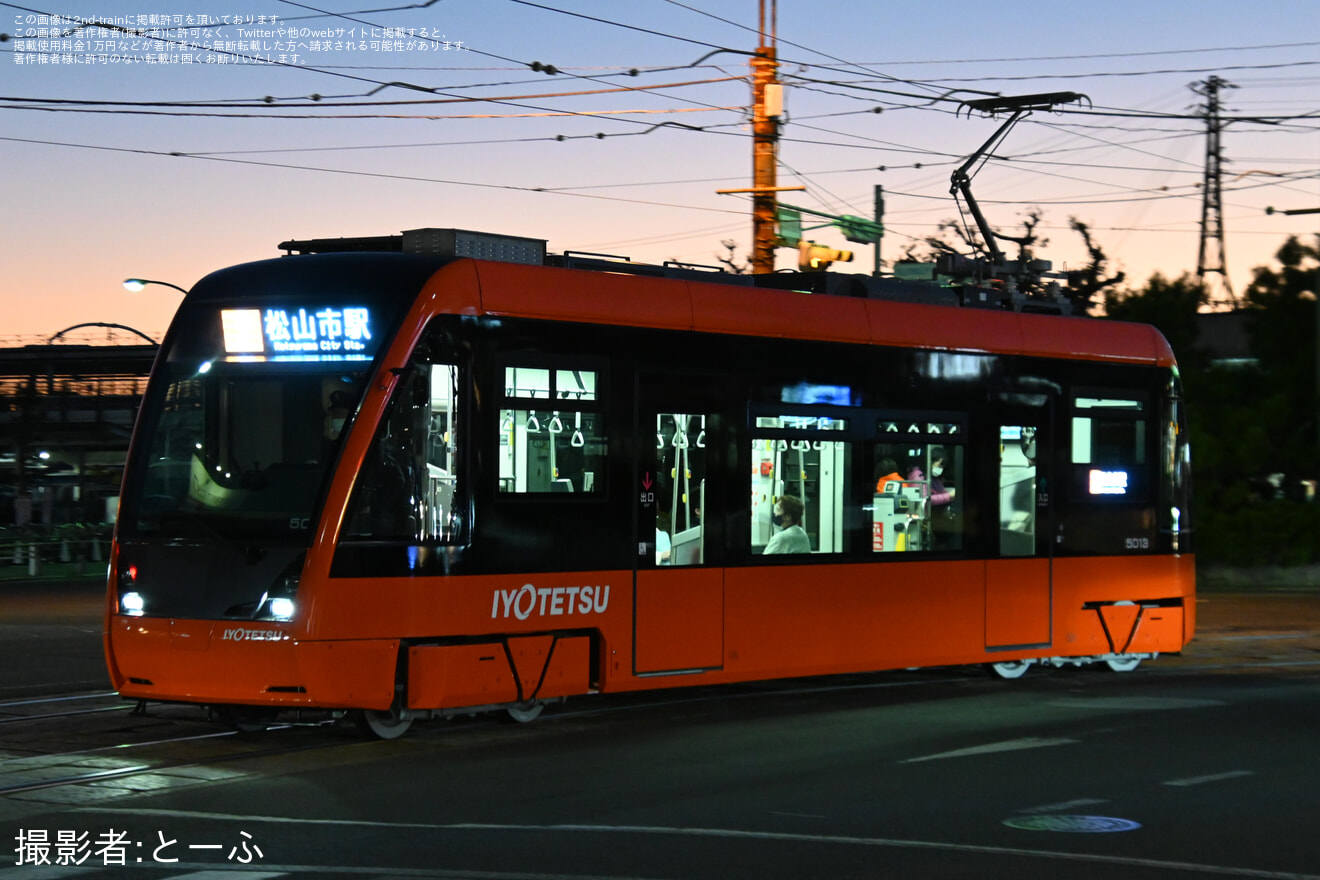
[133, 285]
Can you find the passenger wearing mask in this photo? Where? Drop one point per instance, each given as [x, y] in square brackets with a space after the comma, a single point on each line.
[936, 493]
[792, 538]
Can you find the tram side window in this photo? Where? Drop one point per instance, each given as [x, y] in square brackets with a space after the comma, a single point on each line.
[409, 487]
[552, 436]
[918, 477]
[1109, 445]
[800, 485]
[181, 431]
[680, 442]
[1176, 466]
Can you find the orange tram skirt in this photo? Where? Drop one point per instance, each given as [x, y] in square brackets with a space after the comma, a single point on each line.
[437, 643]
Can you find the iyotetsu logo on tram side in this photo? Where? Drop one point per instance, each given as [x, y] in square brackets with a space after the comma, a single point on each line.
[245, 634]
[549, 601]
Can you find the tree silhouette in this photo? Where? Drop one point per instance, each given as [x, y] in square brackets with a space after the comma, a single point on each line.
[1253, 422]
[1089, 286]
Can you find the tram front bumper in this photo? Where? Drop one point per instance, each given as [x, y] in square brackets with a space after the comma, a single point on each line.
[247, 663]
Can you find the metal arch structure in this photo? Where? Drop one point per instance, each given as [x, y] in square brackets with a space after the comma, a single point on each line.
[52, 339]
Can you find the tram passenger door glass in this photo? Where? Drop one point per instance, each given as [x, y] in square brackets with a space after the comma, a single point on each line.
[680, 485]
[552, 439]
[409, 486]
[1017, 490]
[439, 519]
[1018, 588]
[799, 470]
[678, 606]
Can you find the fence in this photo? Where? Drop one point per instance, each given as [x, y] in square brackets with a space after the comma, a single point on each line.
[69, 551]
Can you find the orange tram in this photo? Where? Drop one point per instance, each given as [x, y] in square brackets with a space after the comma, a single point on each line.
[411, 476]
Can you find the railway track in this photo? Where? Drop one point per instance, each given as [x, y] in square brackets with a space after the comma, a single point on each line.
[68, 706]
[92, 746]
[95, 745]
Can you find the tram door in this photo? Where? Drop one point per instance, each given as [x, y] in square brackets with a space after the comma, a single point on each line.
[678, 595]
[1018, 589]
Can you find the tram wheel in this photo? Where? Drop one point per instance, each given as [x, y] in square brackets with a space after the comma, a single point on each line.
[1123, 662]
[1011, 669]
[383, 725]
[525, 711]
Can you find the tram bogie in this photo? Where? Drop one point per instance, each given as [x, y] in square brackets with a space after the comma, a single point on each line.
[408, 487]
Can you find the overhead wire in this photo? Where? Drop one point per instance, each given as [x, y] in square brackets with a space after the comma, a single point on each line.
[1187, 71]
[536, 65]
[379, 84]
[1170, 117]
[915, 83]
[425, 116]
[1087, 57]
[320, 101]
[630, 27]
[357, 173]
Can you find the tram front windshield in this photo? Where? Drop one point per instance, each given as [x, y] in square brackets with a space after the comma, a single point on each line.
[247, 404]
[240, 449]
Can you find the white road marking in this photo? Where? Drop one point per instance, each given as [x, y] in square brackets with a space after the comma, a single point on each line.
[229, 875]
[1142, 704]
[1263, 638]
[1065, 805]
[1245, 664]
[1216, 777]
[54, 872]
[1008, 745]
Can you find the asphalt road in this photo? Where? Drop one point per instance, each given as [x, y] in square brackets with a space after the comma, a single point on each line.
[50, 637]
[1201, 765]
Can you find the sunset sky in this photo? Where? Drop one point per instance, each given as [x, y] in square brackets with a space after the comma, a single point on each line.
[120, 168]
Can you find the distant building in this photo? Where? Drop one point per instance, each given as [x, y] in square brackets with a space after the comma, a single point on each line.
[66, 415]
[1224, 336]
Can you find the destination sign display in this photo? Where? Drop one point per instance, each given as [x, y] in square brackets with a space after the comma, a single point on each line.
[274, 333]
[1108, 482]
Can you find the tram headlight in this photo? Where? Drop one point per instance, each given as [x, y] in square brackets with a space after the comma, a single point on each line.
[279, 603]
[132, 603]
[281, 608]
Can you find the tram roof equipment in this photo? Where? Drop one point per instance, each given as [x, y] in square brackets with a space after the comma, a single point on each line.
[457, 243]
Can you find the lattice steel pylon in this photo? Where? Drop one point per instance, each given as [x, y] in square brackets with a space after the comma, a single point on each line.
[1212, 204]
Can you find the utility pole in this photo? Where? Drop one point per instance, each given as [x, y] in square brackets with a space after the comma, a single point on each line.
[880, 222]
[1212, 205]
[767, 106]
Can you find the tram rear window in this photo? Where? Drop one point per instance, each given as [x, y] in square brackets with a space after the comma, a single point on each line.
[1109, 445]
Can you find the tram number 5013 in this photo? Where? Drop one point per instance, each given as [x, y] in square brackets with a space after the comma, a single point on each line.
[1137, 543]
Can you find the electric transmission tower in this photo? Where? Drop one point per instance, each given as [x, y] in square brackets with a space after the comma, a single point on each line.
[1210, 255]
